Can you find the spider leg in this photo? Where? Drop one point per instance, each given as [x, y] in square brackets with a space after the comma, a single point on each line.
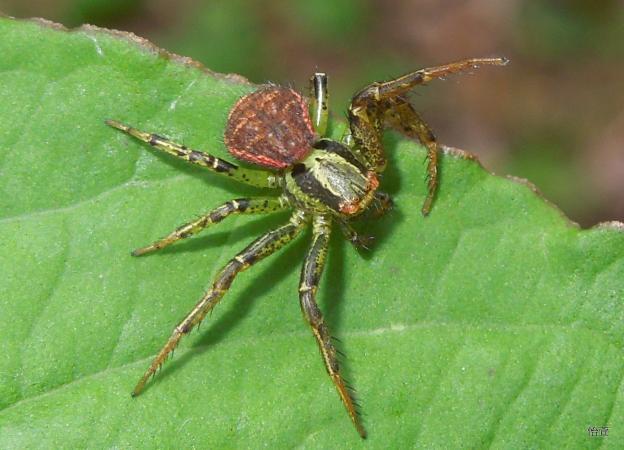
[258, 205]
[318, 102]
[368, 106]
[382, 203]
[401, 116]
[310, 276]
[406, 82]
[256, 251]
[366, 126]
[358, 240]
[259, 178]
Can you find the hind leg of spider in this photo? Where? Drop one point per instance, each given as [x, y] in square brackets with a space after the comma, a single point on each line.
[259, 178]
[310, 276]
[401, 116]
[256, 251]
[260, 205]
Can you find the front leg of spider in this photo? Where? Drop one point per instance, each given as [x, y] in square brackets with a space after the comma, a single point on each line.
[382, 104]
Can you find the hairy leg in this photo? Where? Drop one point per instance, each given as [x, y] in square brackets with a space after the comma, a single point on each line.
[400, 85]
[310, 276]
[252, 177]
[382, 203]
[401, 116]
[358, 240]
[260, 205]
[368, 106]
[256, 251]
[318, 102]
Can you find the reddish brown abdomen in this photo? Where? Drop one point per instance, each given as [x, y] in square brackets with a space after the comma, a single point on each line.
[270, 127]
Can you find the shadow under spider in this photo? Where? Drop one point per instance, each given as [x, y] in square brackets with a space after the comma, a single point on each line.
[265, 277]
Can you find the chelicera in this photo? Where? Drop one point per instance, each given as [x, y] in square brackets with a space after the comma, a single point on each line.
[323, 181]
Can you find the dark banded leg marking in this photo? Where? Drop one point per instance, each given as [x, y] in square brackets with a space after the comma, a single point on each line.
[310, 276]
[261, 205]
[259, 178]
[256, 251]
[401, 116]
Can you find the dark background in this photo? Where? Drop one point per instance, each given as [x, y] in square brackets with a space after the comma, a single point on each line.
[555, 115]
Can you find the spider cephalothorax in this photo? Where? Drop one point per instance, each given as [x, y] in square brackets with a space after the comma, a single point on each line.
[322, 180]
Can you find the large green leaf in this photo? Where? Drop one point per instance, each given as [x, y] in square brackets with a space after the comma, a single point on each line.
[495, 321]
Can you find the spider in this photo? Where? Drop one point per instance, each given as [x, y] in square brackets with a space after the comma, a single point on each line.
[323, 181]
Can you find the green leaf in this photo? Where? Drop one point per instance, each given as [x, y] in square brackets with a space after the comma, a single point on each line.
[495, 321]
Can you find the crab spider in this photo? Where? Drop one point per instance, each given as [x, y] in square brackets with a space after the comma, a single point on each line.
[323, 181]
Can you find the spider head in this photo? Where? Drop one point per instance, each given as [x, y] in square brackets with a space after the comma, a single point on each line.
[331, 179]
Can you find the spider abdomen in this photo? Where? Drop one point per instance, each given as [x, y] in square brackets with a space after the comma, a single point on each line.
[270, 127]
[326, 180]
